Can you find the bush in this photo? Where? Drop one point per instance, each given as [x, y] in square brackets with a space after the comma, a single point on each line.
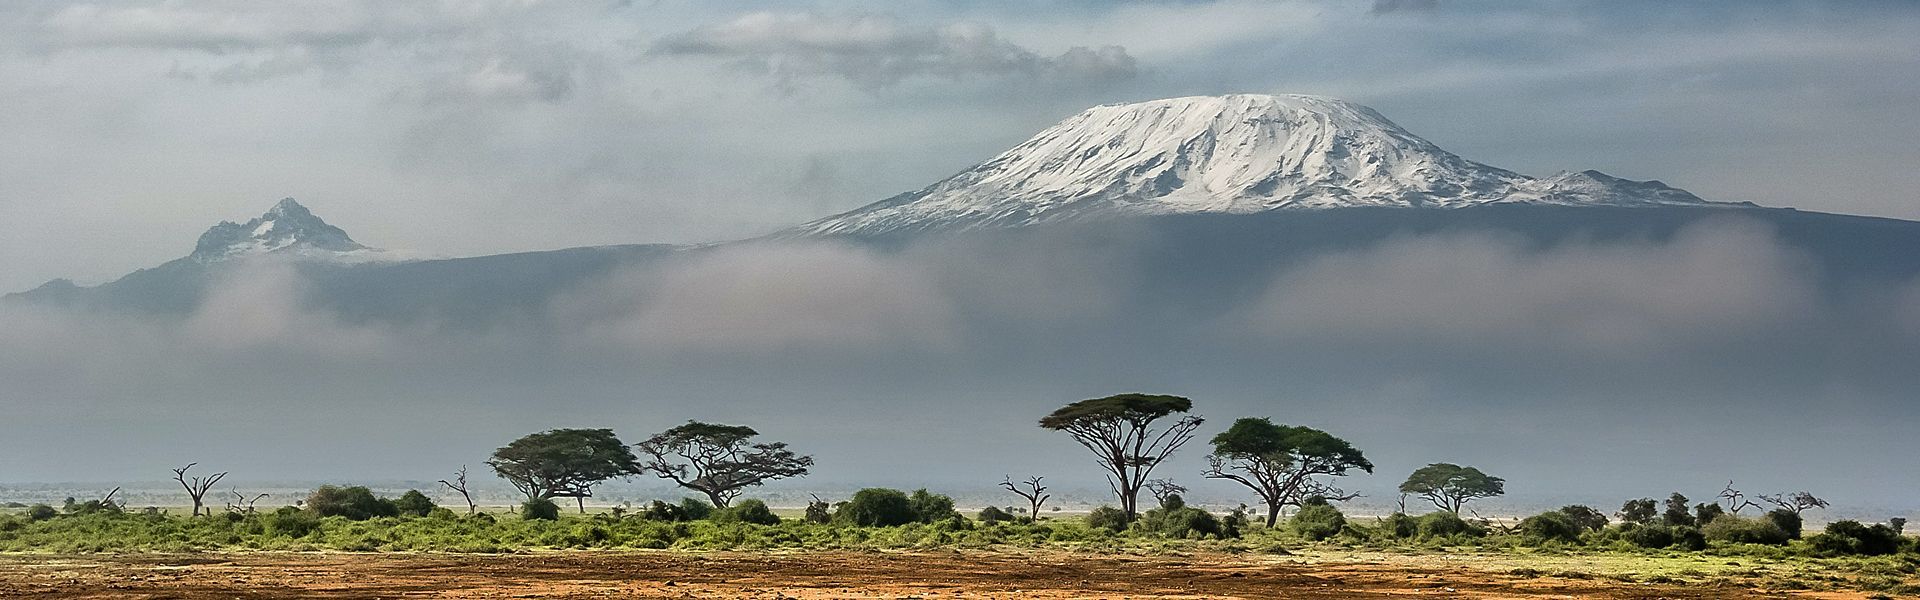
[877, 507]
[291, 522]
[695, 509]
[993, 514]
[747, 511]
[1735, 529]
[1787, 521]
[355, 503]
[1175, 519]
[1108, 518]
[1853, 538]
[414, 503]
[1444, 524]
[1586, 517]
[540, 509]
[1400, 526]
[1689, 538]
[1317, 521]
[929, 507]
[41, 512]
[1553, 526]
[818, 511]
[1647, 536]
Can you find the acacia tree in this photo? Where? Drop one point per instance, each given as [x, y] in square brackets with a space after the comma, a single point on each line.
[1119, 430]
[1031, 489]
[719, 460]
[1450, 486]
[1280, 462]
[197, 486]
[1794, 502]
[563, 463]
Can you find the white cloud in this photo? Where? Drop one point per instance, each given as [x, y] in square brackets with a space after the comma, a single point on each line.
[877, 50]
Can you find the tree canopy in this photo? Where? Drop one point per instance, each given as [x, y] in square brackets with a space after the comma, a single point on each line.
[719, 460]
[1450, 486]
[1119, 430]
[563, 462]
[1280, 462]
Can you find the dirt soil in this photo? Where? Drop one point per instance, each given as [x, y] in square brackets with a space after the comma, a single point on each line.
[789, 576]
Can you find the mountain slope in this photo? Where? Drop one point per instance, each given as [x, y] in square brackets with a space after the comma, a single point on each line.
[1233, 154]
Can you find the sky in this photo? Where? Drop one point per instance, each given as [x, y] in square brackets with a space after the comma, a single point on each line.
[460, 128]
[1590, 368]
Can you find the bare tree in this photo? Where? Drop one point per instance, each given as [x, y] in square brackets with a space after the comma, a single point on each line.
[1162, 489]
[1795, 502]
[196, 486]
[459, 484]
[1735, 500]
[1031, 489]
[242, 503]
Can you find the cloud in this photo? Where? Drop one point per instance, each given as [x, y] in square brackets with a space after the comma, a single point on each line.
[761, 299]
[1381, 7]
[1710, 286]
[875, 51]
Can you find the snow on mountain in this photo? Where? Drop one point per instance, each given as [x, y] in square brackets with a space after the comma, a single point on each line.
[1239, 154]
[288, 230]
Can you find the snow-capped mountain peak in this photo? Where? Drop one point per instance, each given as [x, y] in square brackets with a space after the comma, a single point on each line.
[1240, 153]
[286, 229]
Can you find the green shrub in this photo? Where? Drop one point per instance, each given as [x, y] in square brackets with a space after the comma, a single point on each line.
[695, 509]
[1553, 526]
[1788, 521]
[1736, 529]
[877, 507]
[994, 514]
[291, 522]
[414, 503]
[1108, 518]
[747, 511]
[1651, 535]
[1586, 517]
[1399, 526]
[929, 507]
[1854, 538]
[540, 509]
[355, 503]
[1689, 538]
[1175, 519]
[41, 512]
[818, 511]
[1317, 521]
[1445, 524]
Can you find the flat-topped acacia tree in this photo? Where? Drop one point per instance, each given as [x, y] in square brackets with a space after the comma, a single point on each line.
[1449, 486]
[1120, 432]
[1280, 463]
[563, 463]
[719, 460]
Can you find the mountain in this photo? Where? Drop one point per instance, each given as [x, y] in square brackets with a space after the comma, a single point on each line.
[288, 229]
[1235, 154]
[1242, 186]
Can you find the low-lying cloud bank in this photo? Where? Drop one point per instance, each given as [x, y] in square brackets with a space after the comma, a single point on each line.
[1673, 360]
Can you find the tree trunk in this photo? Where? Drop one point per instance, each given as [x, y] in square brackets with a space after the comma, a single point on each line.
[718, 502]
[1273, 515]
[582, 501]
